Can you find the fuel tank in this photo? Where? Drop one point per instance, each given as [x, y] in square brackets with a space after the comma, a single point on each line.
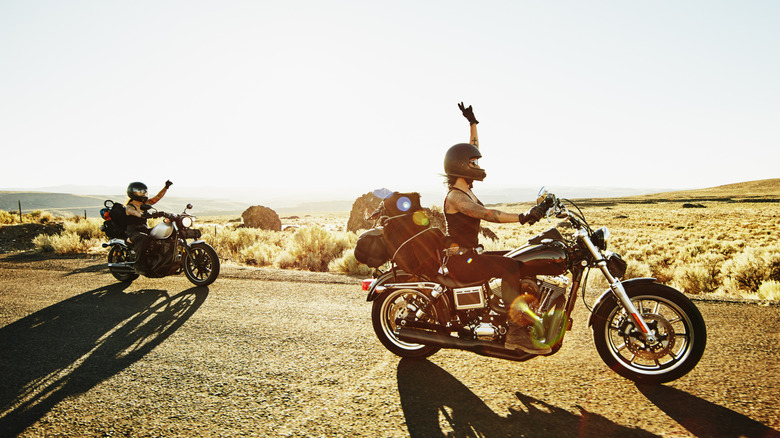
[161, 231]
[543, 259]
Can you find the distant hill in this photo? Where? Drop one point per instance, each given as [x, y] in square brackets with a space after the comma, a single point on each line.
[65, 204]
[767, 190]
[76, 204]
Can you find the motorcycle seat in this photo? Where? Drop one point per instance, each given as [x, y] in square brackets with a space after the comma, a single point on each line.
[447, 281]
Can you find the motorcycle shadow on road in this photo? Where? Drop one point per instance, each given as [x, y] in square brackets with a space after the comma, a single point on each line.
[704, 418]
[436, 404]
[69, 347]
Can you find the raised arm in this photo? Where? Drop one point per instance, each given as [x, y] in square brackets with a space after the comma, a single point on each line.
[468, 113]
[162, 193]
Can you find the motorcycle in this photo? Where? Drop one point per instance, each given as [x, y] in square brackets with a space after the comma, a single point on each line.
[643, 330]
[168, 253]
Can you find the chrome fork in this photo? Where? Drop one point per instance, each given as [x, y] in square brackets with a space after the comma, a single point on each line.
[617, 288]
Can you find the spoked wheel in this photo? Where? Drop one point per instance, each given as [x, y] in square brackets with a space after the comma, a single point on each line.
[677, 324]
[201, 265]
[398, 304]
[119, 254]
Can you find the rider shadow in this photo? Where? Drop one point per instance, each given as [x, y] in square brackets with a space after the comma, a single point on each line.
[71, 346]
[436, 404]
[704, 418]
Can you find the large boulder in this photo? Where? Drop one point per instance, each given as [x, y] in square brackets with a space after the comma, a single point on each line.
[261, 217]
[362, 207]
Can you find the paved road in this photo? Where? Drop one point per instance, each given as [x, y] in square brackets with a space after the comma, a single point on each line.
[274, 353]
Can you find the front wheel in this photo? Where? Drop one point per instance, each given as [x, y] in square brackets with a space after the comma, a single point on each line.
[676, 322]
[393, 305]
[201, 264]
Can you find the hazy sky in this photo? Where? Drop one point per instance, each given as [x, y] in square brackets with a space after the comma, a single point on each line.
[350, 96]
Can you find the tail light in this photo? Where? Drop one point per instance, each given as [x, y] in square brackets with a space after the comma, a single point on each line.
[367, 283]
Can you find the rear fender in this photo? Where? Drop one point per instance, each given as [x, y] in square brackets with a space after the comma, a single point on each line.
[398, 279]
[391, 276]
[628, 284]
[116, 242]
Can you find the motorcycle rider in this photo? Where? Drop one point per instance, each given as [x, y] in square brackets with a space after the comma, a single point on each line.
[463, 212]
[137, 229]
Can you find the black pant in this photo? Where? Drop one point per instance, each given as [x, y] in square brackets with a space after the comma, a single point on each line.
[469, 268]
[139, 237]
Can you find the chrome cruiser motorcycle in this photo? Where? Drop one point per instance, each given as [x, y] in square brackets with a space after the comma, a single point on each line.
[643, 330]
[169, 252]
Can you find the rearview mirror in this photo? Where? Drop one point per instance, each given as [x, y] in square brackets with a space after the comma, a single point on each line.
[542, 195]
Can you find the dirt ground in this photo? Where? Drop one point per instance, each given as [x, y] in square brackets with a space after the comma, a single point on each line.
[265, 352]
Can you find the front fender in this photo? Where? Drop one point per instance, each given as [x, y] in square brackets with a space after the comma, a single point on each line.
[608, 293]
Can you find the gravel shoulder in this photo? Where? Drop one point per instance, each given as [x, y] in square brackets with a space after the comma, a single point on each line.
[265, 352]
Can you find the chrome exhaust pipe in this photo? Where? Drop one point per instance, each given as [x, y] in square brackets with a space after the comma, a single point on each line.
[121, 267]
[441, 340]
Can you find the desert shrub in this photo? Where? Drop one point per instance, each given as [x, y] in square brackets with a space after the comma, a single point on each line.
[697, 279]
[259, 254]
[769, 290]
[347, 264]
[250, 244]
[7, 218]
[66, 242]
[752, 267]
[312, 248]
[41, 216]
[662, 267]
[85, 229]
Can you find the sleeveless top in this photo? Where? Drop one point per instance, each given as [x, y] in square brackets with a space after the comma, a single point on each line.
[462, 230]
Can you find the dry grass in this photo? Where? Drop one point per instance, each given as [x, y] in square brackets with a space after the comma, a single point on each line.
[726, 249]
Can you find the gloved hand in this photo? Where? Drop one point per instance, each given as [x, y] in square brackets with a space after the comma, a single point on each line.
[533, 215]
[168, 184]
[468, 113]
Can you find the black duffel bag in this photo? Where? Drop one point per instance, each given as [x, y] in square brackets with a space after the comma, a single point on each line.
[371, 248]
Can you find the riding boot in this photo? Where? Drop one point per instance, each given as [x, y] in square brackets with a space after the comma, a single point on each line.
[519, 337]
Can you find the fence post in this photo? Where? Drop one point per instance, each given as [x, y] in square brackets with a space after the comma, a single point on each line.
[20, 210]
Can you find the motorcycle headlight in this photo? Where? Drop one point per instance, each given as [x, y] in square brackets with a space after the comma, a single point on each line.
[600, 238]
[186, 222]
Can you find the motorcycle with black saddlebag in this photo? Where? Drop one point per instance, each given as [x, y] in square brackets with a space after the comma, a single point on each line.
[643, 330]
[169, 252]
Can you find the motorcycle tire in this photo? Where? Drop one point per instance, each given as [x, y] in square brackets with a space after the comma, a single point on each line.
[201, 264]
[390, 305]
[676, 321]
[118, 254]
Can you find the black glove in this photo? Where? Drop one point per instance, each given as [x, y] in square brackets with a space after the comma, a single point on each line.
[533, 215]
[468, 113]
[168, 184]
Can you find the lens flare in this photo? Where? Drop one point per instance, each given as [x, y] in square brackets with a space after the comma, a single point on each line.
[404, 203]
[421, 218]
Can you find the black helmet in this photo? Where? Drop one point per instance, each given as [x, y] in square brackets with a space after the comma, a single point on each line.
[137, 191]
[456, 162]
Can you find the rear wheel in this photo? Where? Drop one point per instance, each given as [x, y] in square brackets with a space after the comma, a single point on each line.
[395, 305]
[201, 264]
[120, 254]
[674, 320]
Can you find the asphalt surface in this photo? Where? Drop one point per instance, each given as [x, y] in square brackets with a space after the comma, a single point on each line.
[278, 353]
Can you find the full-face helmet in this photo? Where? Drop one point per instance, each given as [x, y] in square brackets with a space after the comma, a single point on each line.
[461, 162]
[137, 191]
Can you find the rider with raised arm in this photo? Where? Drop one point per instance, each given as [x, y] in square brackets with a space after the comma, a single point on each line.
[463, 212]
[137, 229]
